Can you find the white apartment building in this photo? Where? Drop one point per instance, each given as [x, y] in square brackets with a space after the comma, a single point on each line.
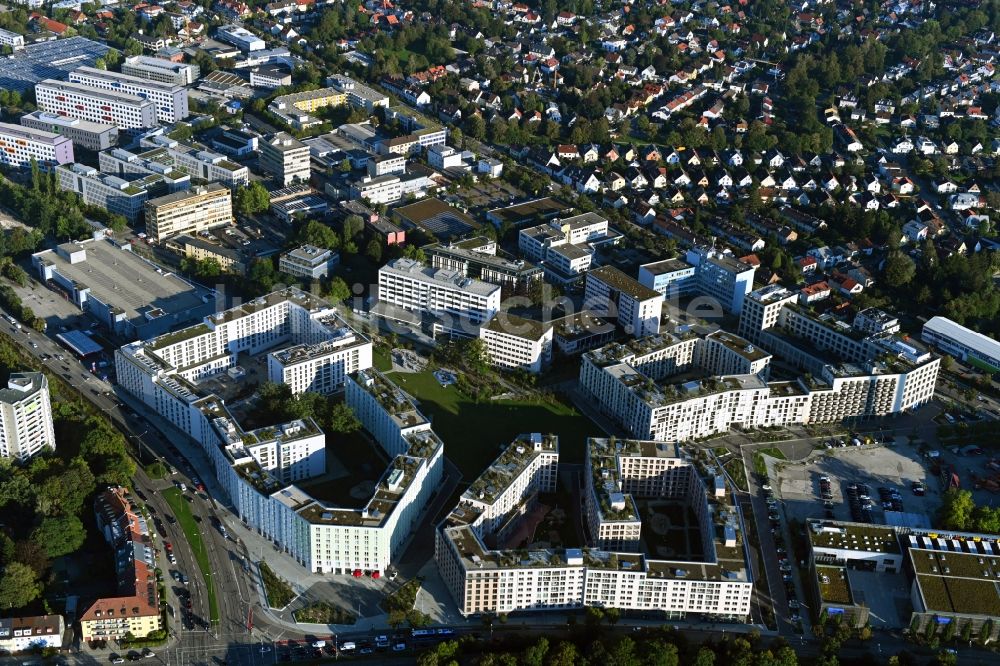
[161, 69]
[199, 162]
[251, 465]
[11, 39]
[716, 582]
[114, 194]
[385, 165]
[308, 261]
[20, 145]
[189, 211]
[610, 293]
[25, 417]
[90, 135]
[631, 383]
[516, 343]
[534, 242]
[285, 158]
[124, 110]
[18, 634]
[170, 100]
[721, 276]
[410, 285]
[672, 278]
[378, 189]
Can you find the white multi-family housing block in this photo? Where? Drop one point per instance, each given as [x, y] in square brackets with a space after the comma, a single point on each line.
[76, 100]
[198, 161]
[494, 579]
[170, 100]
[517, 343]
[610, 293]
[25, 417]
[19, 146]
[564, 247]
[408, 284]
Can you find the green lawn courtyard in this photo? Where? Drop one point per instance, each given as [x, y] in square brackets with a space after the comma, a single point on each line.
[473, 433]
[192, 531]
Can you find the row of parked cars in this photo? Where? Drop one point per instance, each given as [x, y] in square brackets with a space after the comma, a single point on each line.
[860, 501]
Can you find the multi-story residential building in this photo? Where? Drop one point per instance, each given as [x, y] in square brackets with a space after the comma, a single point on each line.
[285, 158]
[715, 581]
[358, 94]
[611, 293]
[477, 258]
[170, 100]
[672, 278]
[116, 195]
[18, 634]
[199, 162]
[200, 208]
[12, 39]
[308, 261]
[721, 276]
[20, 146]
[631, 383]
[408, 284]
[964, 344]
[84, 133]
[136, 609]
[161, 69]
[124, 110]
[386, 165]
[240, 37]
[577, 230]
[296, 109]
[515, 343]
[25, 417]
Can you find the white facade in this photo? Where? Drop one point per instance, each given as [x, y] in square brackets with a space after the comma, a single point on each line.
[240, 37]
[90, 135]
[75, 100]
[161, 69]
[721, 276]
[611, 293]
[286, 158]
[308, 261]
[25, 417]
[199, 162]
[410, 285]
[11, 39]
[515, 343]
[20, 145]
[963, 343]
[170, 100]
[111, 193]
[18, 634]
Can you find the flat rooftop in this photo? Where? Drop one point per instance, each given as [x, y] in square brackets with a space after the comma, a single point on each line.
[440, 276]
[48, 60]
[619, 281]
[837, 535]
[961, 583]
[492, 483]
[667, 266]
[125, 280]
[537, 210]
[529, 329]
[739, 345]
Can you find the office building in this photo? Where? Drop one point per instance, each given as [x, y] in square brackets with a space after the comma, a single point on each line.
[634, 385]
[610, 293]
[197, 161]
[124, 110]
[477, 258]
[161, 69]
[410, 285]
[487, 575]
[170, 100]
[116, 195]
[308, 261]
[129, 295]
[136, 609]
[188, 212]
[386, 165]
[20, 146]
[235, 143]
[123, 164]
[12, 39]
[966, 345]
[18, 634]
[516, 343]
[297, 201]
[25, 417]
[581, 331]
[296, 109]
[721, 276]
[83, 133]
[240, 37]
[270, 76]
[565, 246]
[285, 158]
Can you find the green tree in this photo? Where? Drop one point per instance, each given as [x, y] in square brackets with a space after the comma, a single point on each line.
[957, 507]
[899, 269]
[19, 586]
[251, 199]
[353, 226]
[374, 251]
[262, 275]
[706, 657]
[60, 535]
[342, 419]
[337, 290]
[314, 232]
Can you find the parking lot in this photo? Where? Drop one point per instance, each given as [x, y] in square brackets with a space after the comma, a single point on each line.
[883, 474]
